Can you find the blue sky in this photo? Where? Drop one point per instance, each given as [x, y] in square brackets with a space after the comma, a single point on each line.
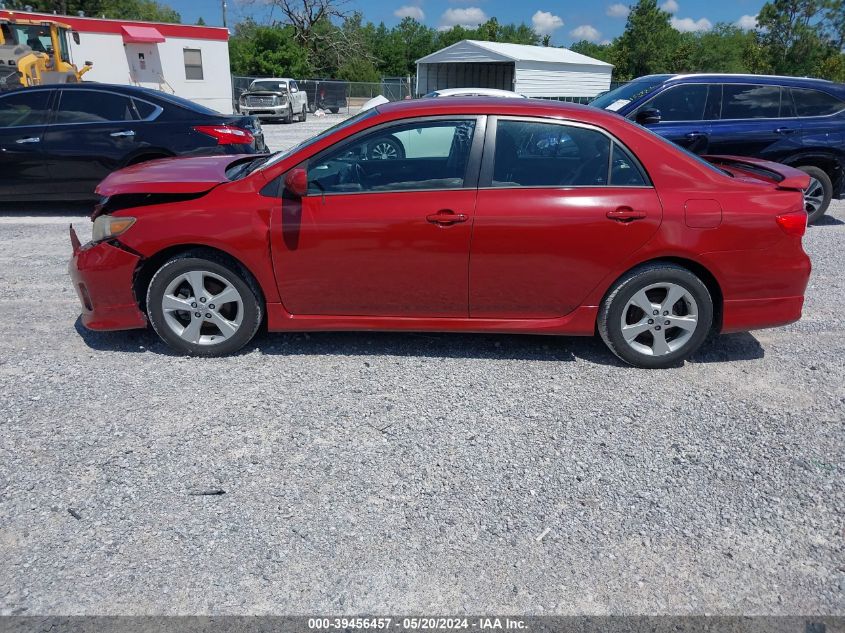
[595, 20]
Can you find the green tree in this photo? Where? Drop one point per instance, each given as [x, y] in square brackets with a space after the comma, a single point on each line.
[648, 44]
[796, 34]
[267, 51]
[118, 9]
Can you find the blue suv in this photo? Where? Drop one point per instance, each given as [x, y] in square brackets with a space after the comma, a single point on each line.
[790, 120]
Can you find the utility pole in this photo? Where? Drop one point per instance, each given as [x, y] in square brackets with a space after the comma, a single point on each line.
[224, 13]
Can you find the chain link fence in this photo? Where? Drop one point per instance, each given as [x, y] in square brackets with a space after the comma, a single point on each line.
[348, 96]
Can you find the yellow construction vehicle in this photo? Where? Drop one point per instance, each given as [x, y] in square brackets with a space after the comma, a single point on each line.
[35, 52]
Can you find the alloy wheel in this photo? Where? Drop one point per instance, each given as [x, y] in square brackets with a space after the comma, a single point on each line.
[383, 150]
[813, 196]
[202, 307]
[659, 319]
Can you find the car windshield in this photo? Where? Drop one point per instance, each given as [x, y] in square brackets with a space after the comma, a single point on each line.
[272, 86]
[277, 156]
[623, 95]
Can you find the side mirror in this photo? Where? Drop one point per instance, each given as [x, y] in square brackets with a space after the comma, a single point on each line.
[296, 182]
[649, 116]
[75, 36]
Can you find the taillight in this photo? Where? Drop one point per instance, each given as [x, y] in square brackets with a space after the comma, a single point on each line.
[226, 134]
[794, 224]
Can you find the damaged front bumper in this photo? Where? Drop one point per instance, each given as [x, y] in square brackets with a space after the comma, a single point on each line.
[103, 277]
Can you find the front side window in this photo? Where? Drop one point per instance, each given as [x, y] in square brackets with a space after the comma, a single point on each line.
[24, 108]
[815, 103]
[750, 102]
[193, 63]
[91, 106]
[686, 102]
[534, 154]
[413, 156]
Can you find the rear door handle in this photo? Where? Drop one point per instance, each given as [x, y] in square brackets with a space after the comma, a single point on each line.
[784, 130]
[29, 139]
[694, 135]
[122, 134]
[626, 214]
[446, 217]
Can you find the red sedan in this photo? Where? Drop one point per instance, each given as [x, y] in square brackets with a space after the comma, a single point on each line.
[475, 214]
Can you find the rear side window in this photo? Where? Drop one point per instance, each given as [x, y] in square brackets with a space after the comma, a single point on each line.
[680, 103]
[24, 108]
[625, 170]
[90, 106]
[533, 154]
[815, 103]
[750, 102]
[145, 108]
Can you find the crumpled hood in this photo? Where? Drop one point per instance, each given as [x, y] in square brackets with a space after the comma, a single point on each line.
[169, 175]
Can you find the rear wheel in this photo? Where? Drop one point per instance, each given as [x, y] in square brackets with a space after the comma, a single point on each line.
[818, 194]
[334, 110]
[656, 316]
[304, 114]
[203, 306]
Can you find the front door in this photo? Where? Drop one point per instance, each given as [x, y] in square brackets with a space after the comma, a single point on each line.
[92, 134]
[561, 207]
[685, 114]
[23, 173]
[385, 227]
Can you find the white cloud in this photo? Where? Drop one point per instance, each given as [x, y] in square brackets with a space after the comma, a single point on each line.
[585, 32]
[545, 23]
[468, 18]
[618, 10]
[747, 22]
[688, 25]
[409, 11]
[670, 6]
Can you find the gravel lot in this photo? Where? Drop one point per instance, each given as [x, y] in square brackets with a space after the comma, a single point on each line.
[413, 473]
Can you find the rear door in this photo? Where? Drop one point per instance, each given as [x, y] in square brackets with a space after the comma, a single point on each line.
[559, 206]
[756, 120]
[685, 114]
[23, 117]
[92, 134]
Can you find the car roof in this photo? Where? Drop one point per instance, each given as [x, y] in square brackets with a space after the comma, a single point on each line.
[492, 92]
[780, 80]
[496, 105]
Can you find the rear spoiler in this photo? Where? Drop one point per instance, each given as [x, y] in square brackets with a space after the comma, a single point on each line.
[784, 176]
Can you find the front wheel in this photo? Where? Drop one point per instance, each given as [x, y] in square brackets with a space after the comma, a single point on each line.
[818, 194]
[203, 306]
[656, 316]
[304, 115]
[289, 116]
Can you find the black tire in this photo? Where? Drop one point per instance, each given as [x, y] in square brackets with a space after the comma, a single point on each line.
[821, 176]
[334, 110]
[251, 301]
[304, 114]
[289, 116]
[616, 303]
[385, 148]
[312, 107]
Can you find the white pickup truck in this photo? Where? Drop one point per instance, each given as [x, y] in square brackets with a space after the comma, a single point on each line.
[274, 98]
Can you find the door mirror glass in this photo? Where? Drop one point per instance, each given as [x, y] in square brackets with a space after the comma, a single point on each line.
[649, 116]
[296, 182]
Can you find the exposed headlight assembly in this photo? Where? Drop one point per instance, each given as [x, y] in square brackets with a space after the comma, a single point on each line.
[109, 226]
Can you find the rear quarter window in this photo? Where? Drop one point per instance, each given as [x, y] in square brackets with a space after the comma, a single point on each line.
[810, 102]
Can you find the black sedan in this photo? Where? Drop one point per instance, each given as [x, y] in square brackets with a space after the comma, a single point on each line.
[58, 142]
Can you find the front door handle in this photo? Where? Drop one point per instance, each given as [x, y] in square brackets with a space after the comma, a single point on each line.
[446, 217]
[694, 135]
[626, 214]
[29, 139]
[124, 133]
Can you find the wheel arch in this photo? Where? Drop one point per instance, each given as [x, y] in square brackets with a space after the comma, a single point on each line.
[698, 269]
[148, 267]
[831, 162]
